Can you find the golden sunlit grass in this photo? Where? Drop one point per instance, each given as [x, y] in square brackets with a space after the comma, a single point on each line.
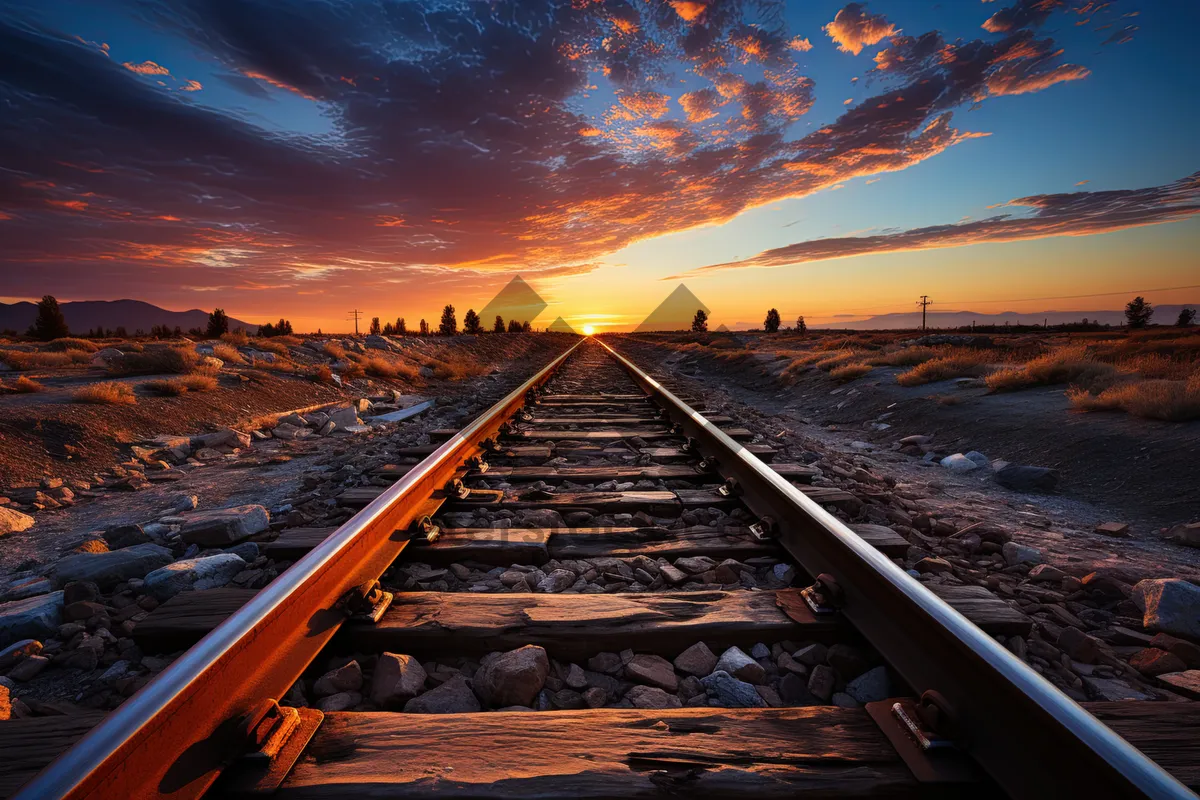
[276, 345]
[905, 357]
[1070, 364]
[379, 367]
[26, 385]
[62, 345]
[456, 368]
[23, 360]
[849, 372]
[1171, 401]
[322, 374]
[228, 353]
[334, 350]
[237, 338]
[966, 363]
[108, 394]
[179, 359]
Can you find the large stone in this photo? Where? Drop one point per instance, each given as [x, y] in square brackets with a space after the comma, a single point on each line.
[31, 618]
[1170, 605]
[1186, 683]
[342, 417]
[225, 526]
[397, 679]
[1112, 689]
[108, 569]
[557, 581]
[452, 697]
[1020, 554]
[1187, 535]
[209, 572]
[741, 666]
[652, 670]
[651, 697]
[1027, 479]
[697, 660]
[119, 536]
[729, 692]
[871, 686]
[346, 678]
[14, 521]
[958, 463]
[513, 678]
[1152, 661]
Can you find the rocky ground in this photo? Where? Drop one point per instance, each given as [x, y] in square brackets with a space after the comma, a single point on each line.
[87, 570]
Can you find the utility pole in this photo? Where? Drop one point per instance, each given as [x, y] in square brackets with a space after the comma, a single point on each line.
[354, 315]
[923, 303]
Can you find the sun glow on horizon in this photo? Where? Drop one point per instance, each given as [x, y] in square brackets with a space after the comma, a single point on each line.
[588, 330]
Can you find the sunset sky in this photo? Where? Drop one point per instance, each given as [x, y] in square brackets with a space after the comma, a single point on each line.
[303, 158]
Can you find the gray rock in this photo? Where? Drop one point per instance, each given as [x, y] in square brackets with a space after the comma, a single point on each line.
[822, 681]
[32, 618]
[397, 678]
[513, 678]
[119, 536]
[652, 670]
[14, 521]
[843, 700]
[452, 697]
[872, 685]
[1020, 554]
[108, 569]
[651, 697]
[342, 701]
[1170, 605]
[246, 551]
[979, 458]
[556, 581]
[346, 678]
[958, 463]
[695, 565]
[225, 526]
[735, 662]
[697, 660]
[209, 572]
[605, 662]
[730, 692]
[1027, 479]
[1111, 689]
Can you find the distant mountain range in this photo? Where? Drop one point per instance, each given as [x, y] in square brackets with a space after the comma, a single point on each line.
[85, 315]
[1163, 315]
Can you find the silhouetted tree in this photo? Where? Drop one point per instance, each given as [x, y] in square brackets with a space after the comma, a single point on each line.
[514, 326]
[448, 326]
[120, 332]
[700, 321]
[218, 324]
[375, 329]
[1138, 312]
[178, 331]
[424, 328]
[526, 327]
[50, 322]
[193, 332]
[401, 328]
[800, 326]
[1187, 317]
[281, 328]
[498, 326]
[771, 323]
[471, 322]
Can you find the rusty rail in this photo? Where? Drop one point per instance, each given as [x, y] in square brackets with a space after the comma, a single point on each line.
[1032, 739]
[173, 737]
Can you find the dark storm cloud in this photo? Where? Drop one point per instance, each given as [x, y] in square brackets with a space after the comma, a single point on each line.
[460, 136]
[1068, 214]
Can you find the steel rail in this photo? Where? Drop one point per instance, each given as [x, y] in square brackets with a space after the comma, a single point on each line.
[173, 737]
[1032, 739]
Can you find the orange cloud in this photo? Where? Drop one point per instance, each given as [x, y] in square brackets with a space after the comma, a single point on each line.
[146, 68]
[1020, 81]
[800, 44]
[853, 28]
[258, 76]
[645, 104]
[191, 86]
[700, 105]
[688, 10]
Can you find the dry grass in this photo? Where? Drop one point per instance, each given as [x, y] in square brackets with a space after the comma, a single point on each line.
[26, 385]
[199, 382]
[379, 367]
[108, 394]
[849, 372]
[165, 387]
[334, 350]
[228, 353]
[1071, 364]
[322, 374]
[289, 341]
[1171, 401]
[278, 365]
[237, 338]
[964, 363]
[23, 359]
[275, 345]
[179, 359]
[62, 345]
[906, 357]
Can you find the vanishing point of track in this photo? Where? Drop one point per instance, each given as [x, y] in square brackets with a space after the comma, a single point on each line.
[967, 715]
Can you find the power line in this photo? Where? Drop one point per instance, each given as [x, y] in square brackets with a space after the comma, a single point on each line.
[924, 303]
[355, 316]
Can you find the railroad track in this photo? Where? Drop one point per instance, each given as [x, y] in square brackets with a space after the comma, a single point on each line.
[678, 615]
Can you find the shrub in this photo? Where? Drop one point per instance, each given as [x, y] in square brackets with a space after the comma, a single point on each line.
[378, 367]
[165, 387]
[1171, 401]
[228, 353]
[334, 350]
[108, 393]
[26, 385]
[839, 359]
[965, 365]
[179, 359]
[20, 359]
[199, 383]
[238, 338]
[275, 346]
[849, 372]
[905, 357]
[322, 374]
[455, 368]
[1071, 364]
[67, 343]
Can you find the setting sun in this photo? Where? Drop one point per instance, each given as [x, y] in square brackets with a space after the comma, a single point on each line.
[588, 330]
